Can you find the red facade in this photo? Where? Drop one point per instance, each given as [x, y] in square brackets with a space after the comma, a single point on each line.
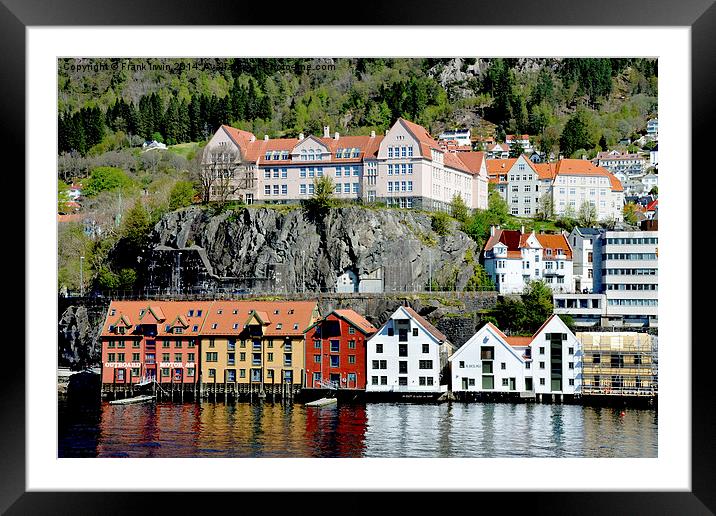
[157, 341]
[336, 351]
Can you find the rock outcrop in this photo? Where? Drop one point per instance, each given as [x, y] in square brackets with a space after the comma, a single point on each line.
[283, 250]
[77, 336]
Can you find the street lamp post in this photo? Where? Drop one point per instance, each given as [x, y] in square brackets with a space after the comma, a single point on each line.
[82, 287]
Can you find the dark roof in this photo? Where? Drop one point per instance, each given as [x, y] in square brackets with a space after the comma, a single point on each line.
[425, 324]
[588, 231]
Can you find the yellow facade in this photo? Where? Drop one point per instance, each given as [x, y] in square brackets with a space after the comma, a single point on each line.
[262, 360]
[618, 363]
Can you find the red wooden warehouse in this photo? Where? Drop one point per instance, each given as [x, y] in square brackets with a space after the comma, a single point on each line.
[336, 351]
[147, 341]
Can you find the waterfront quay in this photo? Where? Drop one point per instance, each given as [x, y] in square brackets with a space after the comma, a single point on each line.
[246, 350]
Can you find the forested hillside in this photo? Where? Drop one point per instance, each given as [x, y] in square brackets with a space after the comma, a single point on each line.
[107, 104]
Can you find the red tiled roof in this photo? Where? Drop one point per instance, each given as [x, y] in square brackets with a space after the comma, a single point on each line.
[282, 323]
[357, 320]
[167, 312]
[425, 324]
[495, 166]
[548, 241]
[519, 341]
[421, 134]
[472, 160]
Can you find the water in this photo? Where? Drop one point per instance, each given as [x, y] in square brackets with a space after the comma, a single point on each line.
[359, 430]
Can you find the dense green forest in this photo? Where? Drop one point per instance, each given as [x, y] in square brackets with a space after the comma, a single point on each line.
[108, 104]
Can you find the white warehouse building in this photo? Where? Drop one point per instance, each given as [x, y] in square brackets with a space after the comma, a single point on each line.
[407, 355]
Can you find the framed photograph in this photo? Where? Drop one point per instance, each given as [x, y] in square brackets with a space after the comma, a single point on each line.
[256, 241]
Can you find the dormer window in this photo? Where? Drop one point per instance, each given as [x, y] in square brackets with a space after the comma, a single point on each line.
[275, 312]
[141, 312]
[178, 329]
[121, 330]
[167, 328]
[290, 311]
[236, 326]
[111, 329]
[236, 312]
[112, 311]
[195, 328]
[219, 311]
[295, 326]
[198, 313]
[279, 326]
[213, 326]
[191, 313]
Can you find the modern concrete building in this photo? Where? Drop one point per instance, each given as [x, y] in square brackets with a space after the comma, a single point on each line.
[459, 136]
[408, 355]
[625, 281]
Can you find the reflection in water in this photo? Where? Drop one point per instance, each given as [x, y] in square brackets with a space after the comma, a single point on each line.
[356, 430]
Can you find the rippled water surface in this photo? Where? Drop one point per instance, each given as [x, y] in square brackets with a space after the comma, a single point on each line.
[360, 430]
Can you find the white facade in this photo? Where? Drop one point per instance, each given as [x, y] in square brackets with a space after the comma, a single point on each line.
[529, 257]
[625, 283]
[407, 355]
[570, 191]
[461, 136]
[582, 242]
[523, 188]
[556, 363]
[488, 363]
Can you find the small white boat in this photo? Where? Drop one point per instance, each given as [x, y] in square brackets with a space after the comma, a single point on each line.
[323, 402]
[136, 399]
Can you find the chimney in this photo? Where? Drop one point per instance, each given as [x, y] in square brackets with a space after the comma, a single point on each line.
[386, 132]
[522, 230]
[252, 138]
[266, 137]
[301, 136]
[326, 131]
[336, 135]
[492, 230]
[372, 134]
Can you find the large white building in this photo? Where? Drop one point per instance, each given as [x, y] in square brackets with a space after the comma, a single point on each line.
[513, 258]
[625, 280]
[563, 186]
[547, 363]
[578, 181]
[615, 161]
[490, 361]
[407, 355]
[405, 168]
[459, 136]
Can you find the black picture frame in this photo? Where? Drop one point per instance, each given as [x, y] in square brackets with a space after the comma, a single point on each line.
[699, 15]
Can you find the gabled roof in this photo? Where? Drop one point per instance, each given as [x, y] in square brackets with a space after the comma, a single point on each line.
[425, 141]
[510, 342]
[495, 166]
[355, 319]
[166, 310]
[425, 324]
[558, 241]
[473, 160]
[351, 317]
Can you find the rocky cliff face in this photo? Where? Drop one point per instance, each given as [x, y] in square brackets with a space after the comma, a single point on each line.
[77, 339]
[284, 250]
